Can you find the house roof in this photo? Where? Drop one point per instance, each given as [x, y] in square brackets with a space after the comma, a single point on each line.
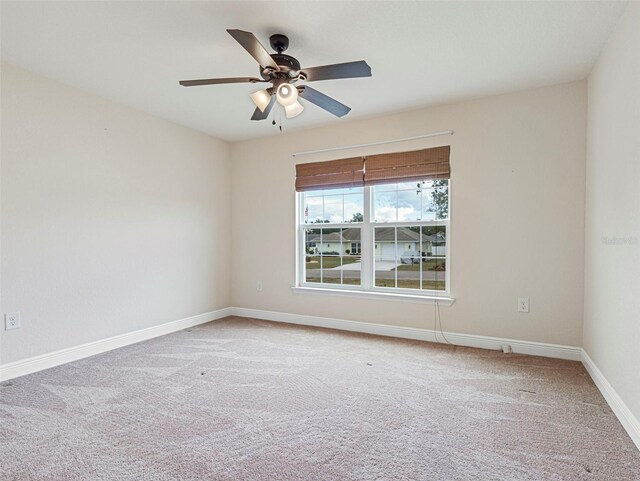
[382, 234]
[387, 234]
[348, 235]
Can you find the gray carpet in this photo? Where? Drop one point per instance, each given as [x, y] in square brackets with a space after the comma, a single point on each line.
[242, 399]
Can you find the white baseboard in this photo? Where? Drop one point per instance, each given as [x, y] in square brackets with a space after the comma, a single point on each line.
[522, 347]
[46, 361]
[630, 423]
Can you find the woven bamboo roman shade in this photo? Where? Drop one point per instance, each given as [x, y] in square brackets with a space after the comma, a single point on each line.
[331, 174]
[425, 164]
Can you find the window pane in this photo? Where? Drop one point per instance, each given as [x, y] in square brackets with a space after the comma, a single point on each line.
[333, 209]
[353, 208]
[434, 241]
[407, 201]
[351, 265]
[311, 241]
[385, 206]
[311, 258]
[312, 209]
[409, 273]
[333, 205]
[409, 205]
[428, 206]
[330, 241]
[409, 254]
[330, 252]
[439, 196]
[331, 269]
[332, 255]
[312, 268]
[434, 275]
[385, 256]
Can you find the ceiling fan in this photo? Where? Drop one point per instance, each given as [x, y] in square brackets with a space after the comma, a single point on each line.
[282, 71]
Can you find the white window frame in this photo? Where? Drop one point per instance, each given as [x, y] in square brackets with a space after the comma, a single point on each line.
[367, 257]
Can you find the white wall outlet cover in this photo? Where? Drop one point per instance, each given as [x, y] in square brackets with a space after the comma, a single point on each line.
[11, 321]
[523, 304]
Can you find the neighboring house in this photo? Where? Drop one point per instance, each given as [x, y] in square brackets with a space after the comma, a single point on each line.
[335, 241]
[385, 243]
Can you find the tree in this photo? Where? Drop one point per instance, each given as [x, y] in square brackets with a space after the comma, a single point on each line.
[317, 221]
[357, 217]
[440, 197]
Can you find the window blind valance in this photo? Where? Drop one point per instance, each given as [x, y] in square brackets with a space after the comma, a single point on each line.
[330, 175]
[425, 164]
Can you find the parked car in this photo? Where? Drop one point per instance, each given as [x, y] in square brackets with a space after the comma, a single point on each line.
[410, 257]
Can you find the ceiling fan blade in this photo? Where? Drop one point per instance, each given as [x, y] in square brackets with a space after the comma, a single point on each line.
[216, 81]
[258, 115]
[252, 45]
[338, 70]
[324, 101]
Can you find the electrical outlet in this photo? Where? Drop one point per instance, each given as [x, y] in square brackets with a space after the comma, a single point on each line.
[11, 321]
[523, 304]
[259, 286]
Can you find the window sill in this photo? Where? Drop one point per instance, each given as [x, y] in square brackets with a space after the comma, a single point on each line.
[391, 296]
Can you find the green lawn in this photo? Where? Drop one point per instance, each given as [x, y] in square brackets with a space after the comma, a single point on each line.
[345, 282]
[330, 261]
[402, 283]
[411, 284]
[428, 265]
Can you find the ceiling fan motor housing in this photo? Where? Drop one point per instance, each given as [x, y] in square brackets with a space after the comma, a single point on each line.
[289, 66]
[279, 42]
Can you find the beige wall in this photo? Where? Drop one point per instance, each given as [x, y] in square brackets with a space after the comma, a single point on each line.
[612, 282]
[112, 220]
[518, 174]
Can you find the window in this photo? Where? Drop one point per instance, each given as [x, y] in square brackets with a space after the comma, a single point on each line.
[384, 237]
[331, 227]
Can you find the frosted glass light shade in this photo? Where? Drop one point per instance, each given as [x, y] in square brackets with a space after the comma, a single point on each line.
[261, 98]
[293, 110]
[287, 95]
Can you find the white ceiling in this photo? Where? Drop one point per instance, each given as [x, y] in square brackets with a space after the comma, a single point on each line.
[421, 53]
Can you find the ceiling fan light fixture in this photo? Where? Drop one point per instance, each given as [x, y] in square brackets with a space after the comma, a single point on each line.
[261, 98]
[294, 109]
[287, 95]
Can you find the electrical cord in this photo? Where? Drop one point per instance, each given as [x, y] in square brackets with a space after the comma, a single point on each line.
[437, 318]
